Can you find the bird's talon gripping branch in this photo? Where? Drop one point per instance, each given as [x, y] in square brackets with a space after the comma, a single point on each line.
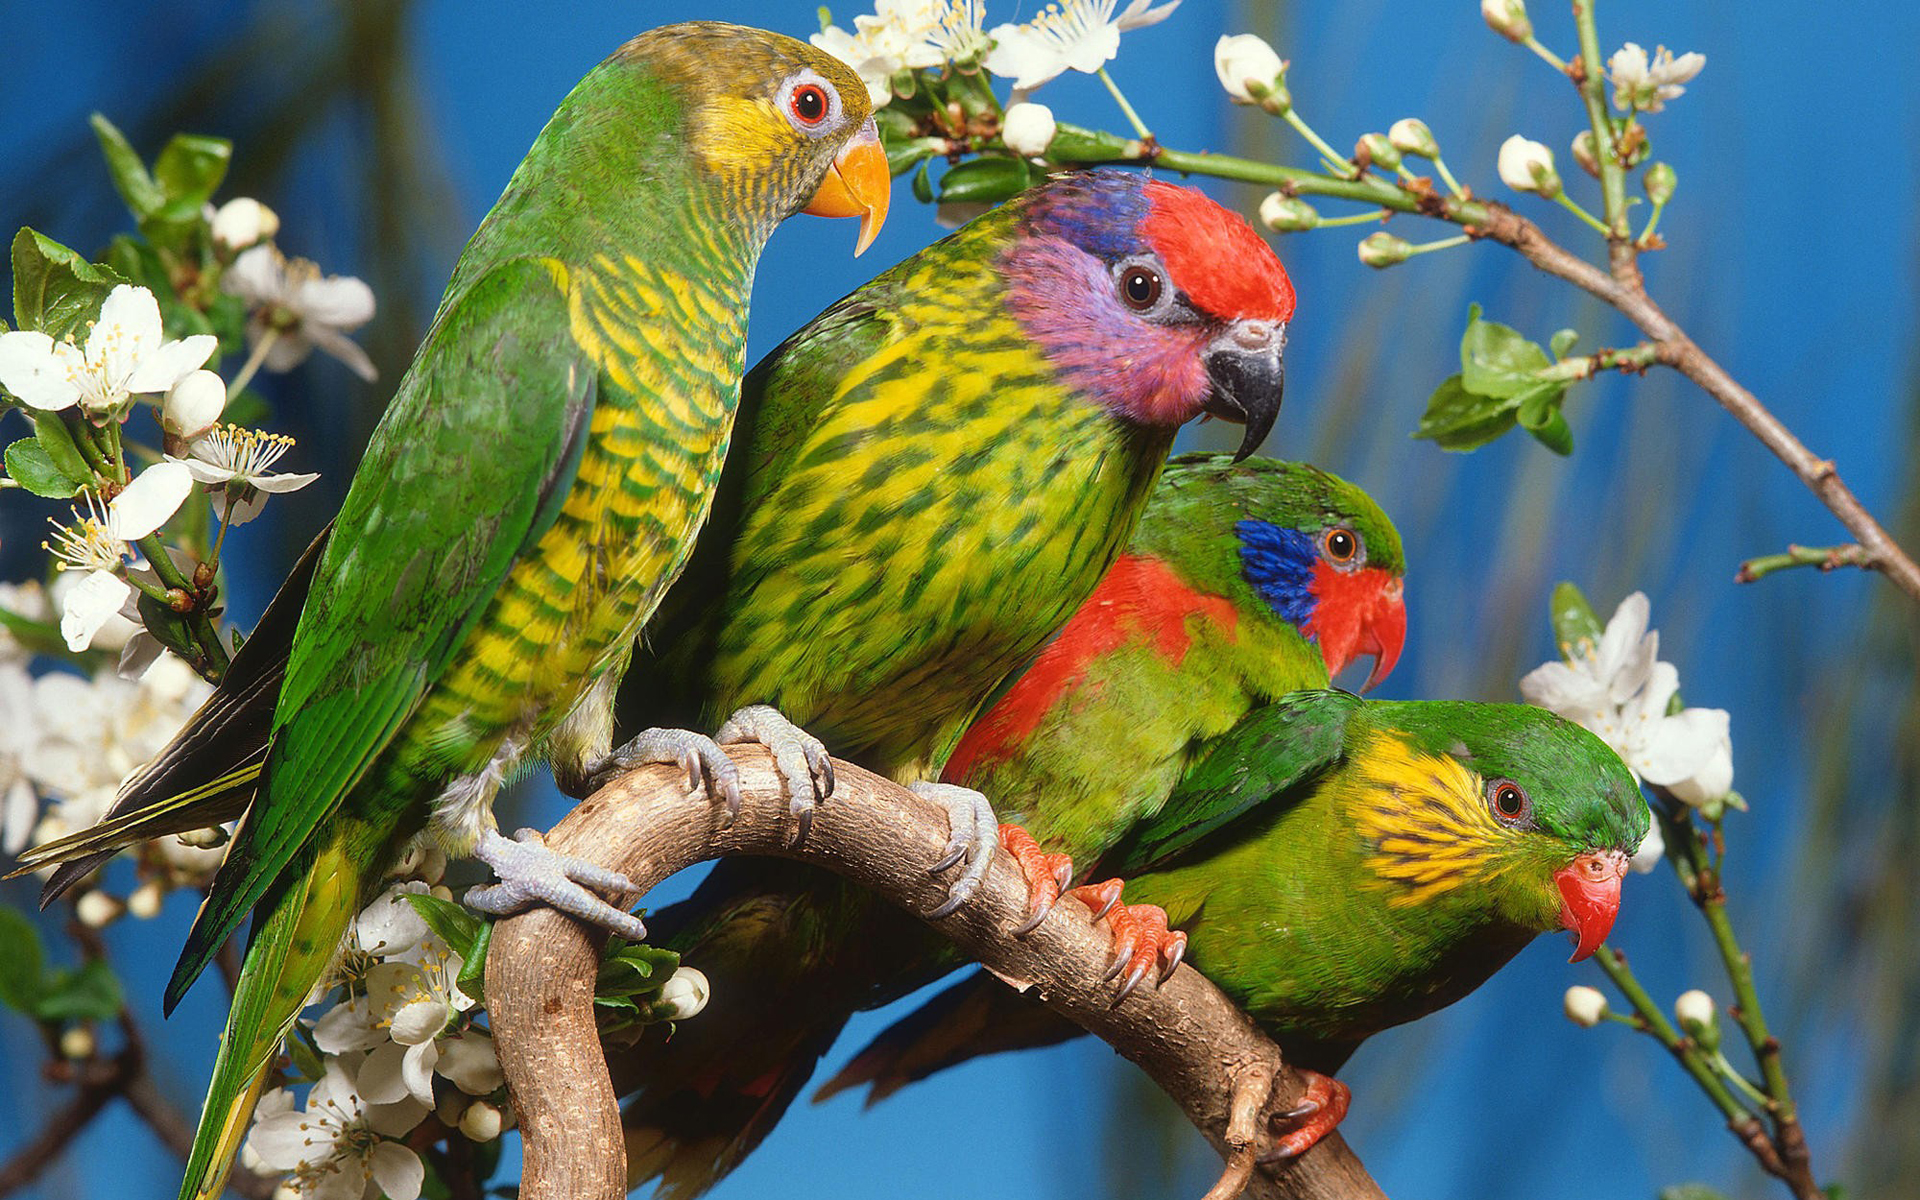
[1141, 936]
[800, 757]
[1322, 1106]
[531, 874]
[1048, 875]
[975, 831]
[706, 764]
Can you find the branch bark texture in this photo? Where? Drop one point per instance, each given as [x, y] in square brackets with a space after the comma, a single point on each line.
[1189, 1037]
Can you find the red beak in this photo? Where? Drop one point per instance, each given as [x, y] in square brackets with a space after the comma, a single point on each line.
[1358, 612]
[1590, 898]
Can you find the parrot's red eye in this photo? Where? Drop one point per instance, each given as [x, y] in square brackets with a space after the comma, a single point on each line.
[1140, 287]
[1509, 800]
[809, 103]
[1339, 545]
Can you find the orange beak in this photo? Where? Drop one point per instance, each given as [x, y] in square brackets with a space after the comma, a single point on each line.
[1590, 898]
[857, 185]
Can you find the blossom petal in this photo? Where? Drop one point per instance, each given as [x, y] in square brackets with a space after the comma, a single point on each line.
[397, 1119]
[390, 925]
[383, 1074]
[1683, 745]
[31, 370]
[1652, 849]
[127, 331]
[343, 348]
[419, 1021]
[471, 1062]
[146, 504]
[277, 484]
[338, 301]
[22, 810]
[1138, 15]
[258, 275]
[141, 652]
[396, 1170]
[161, 368]
[90, 605]
[348, 1027]
[416, 1069]
[1564, 690]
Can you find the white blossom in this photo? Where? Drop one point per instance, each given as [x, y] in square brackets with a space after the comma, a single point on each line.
[301, 308]
[1527, 166]
[904, 35]
[1070, 35]
[1028, 129]
[685, 995]
[234, 464]
[1644, 85]
[126, 353]
[1585, 1006]
[19, 803]
[241, 222]
[96, 544]
[1410, 135]
[194, 404]
[1694, 1010]
[1287, 214]
[340, 1143]
[1244, 63]
[1621, 691]
[481, 1122]
[1508, 18]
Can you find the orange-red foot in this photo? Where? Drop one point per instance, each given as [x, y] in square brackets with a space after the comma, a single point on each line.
[1322, 1107]
[1047, 874]
[1140, 935]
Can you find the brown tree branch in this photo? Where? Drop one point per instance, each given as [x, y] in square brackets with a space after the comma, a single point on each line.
[541, 969]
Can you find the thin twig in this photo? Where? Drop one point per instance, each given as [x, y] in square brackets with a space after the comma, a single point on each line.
[542, 966]
[1827, 558]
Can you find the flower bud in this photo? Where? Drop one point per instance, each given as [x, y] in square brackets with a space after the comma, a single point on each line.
[1527, 166]
[1248, 68]
[1583, 153]
[1378, 149]
[1287, 214]
[1660, 182]
[1508, 18]
[241, 222]
[1585, 1006]
[481, 1122]
[440, 891]
[1694, 1010]
[683, 996]
[1028, 129]
[1384, 250]
[194, 405]
[1410, 135]
[204, 839]
[145, 901]
[77, 1043]
[97, 910]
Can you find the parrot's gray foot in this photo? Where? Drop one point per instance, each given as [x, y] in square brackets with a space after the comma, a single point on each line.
[800, 757]
[531, 874]
[976, 830]
[706, 764]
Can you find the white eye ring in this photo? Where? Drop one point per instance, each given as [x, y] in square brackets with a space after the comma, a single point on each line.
[804, 90]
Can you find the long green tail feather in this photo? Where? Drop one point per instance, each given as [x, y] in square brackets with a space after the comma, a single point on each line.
[293, 946]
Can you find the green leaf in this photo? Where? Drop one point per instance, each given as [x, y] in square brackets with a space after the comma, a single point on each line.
[20, 950]
[1690, 1191]
[454, 924]
[1457, 419]
[129, 174]
[54, 289]
[1539, 414]
[89, 993]
[56, 438]
[473, 965]
[984, 180]
[1496, 361]
[1575, 627]
[29, 464]
[168, 627]
[306, 1056]
[190, 169]
[1562, 342]
[634, 968]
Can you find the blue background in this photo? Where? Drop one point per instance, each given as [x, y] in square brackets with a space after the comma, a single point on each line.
[382, 132]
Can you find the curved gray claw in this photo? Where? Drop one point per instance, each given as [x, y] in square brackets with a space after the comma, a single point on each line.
[706, 764]
[800, 758]
[975, 832]
[531, 874]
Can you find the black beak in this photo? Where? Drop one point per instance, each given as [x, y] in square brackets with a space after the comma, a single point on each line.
[1244, 365]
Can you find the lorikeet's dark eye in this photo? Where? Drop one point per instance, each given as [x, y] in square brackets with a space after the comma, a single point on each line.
[1140, 287]
[1509, 801]
[809, 103]
[1339, 545]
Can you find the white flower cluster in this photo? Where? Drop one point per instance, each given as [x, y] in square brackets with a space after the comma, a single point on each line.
[908, 35]
[1621, 691]
[398, 1021]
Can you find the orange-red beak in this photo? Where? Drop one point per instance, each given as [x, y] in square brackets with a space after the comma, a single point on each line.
[1359, 612]
[1590, 898]
[857, 185]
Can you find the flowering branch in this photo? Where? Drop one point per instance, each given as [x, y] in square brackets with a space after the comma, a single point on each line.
[1827, 558]
[541, 972]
